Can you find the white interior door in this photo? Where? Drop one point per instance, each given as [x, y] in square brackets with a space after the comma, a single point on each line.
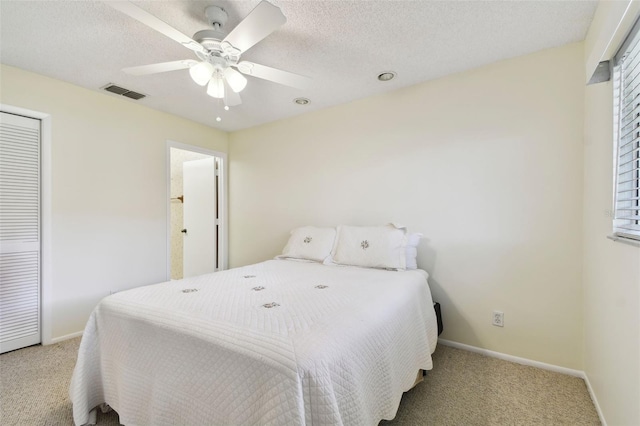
[19, 232]
[200, 240]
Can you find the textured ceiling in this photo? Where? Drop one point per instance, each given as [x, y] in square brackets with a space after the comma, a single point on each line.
[342, 45]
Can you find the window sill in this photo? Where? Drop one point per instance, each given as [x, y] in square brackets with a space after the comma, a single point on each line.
[624, 240]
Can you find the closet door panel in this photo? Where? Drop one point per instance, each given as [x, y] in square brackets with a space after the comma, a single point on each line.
[19, 232]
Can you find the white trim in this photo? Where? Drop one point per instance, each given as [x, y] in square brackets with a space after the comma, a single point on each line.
[594, 399]
[625, 240]
[223, 254]
[46, 280]
[619, 19]
[65, 337]
[168, 212]
[512, 358]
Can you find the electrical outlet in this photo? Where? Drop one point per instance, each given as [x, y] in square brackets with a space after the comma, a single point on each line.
[498, 319]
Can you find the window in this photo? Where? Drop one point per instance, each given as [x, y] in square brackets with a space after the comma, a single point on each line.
[626, 84]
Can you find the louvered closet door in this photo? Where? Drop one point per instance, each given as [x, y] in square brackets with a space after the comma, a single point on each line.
[19, 232]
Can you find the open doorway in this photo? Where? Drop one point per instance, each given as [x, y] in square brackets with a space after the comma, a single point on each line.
[196, 222]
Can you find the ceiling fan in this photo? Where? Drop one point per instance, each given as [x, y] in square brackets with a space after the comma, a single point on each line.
[219, 66]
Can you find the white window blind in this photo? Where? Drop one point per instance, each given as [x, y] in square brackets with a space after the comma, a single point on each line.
[626, 83]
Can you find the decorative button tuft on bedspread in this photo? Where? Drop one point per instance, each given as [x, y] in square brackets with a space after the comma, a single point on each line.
[258, 288]
[321, 286]
[189, 290]
[270, 305]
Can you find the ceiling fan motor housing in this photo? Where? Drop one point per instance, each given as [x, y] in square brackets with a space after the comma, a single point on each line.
[210, 39]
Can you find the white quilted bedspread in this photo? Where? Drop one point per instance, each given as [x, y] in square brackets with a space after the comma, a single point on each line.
[340, 347]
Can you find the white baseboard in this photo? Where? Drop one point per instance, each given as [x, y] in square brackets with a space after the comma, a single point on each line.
[532, 363]
[516, 359]
[63, 338]
[594, 399]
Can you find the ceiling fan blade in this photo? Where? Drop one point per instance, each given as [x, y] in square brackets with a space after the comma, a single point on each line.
[151, 21]
[231, 98]
[161, 67]
[272, 74]
[259, 23]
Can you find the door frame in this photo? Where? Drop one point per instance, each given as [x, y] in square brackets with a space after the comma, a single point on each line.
[46, 278]
[223, 235]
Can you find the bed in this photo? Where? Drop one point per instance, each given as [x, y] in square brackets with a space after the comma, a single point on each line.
[281, 342]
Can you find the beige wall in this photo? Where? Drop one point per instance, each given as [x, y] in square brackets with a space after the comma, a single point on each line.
[109, 189]
[506, 169]
[611, 276]
[487, 164]
[611, 270]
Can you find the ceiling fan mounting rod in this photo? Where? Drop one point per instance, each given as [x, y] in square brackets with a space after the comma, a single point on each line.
[216, 17]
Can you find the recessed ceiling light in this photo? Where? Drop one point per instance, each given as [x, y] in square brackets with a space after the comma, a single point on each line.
[386, 76]
[301, 101]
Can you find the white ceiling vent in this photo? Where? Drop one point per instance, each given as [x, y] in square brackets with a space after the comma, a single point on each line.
[122, 91]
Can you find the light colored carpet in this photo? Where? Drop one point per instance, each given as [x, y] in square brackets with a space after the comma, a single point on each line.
[464, 388]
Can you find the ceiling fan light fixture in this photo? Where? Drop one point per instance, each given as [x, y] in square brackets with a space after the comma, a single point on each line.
[231, 98]
[201, 73]
[216, 86]
[236, 81]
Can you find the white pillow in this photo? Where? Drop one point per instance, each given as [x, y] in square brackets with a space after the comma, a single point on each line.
[309, 243]
[371, 246]
[412, 250]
